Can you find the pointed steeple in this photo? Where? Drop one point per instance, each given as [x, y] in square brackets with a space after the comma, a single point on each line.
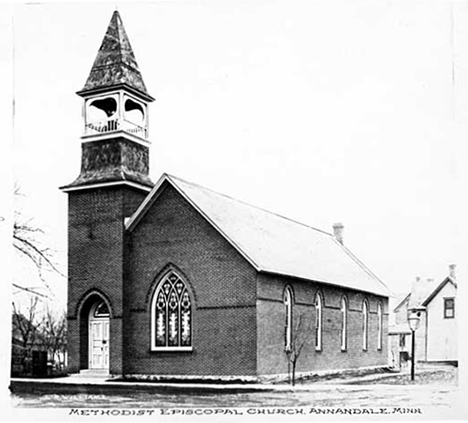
[115, 64]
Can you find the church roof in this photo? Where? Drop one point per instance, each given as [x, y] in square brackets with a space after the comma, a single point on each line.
[272, 243]
[115, 63]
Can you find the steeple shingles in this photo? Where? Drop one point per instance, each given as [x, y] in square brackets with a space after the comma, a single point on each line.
[115, 63]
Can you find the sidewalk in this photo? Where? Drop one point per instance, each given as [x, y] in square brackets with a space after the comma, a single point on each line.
[101, 384]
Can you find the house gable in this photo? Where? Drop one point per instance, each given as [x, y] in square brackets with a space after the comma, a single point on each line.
[434, 293]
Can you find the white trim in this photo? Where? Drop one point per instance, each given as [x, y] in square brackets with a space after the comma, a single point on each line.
[236, 247]
[379, 326]
[107, 184]
[113, 134]
[365, 324]
[152, 197]
[344, 324]
[135, 218]
[288, 302]
[318, 322]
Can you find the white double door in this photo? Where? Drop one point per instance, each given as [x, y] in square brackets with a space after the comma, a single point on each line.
[99, 343]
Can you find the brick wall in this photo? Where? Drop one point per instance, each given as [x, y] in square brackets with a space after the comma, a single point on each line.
[95, 262]
[226, 310]
[271, 357]
[222, 285]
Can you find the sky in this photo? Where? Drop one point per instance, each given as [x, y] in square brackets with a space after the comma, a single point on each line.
[324, 112]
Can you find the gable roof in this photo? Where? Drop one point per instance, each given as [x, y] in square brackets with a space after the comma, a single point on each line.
[431, 296]
[400, 300]
[270, 242]
[115, 63]
[420, 289]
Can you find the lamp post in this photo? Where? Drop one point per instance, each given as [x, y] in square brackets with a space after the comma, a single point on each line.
[413, 320]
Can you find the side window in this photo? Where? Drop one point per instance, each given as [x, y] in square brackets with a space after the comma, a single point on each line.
[344, 324]
[318, 322]
[288, 303]
[365, 324]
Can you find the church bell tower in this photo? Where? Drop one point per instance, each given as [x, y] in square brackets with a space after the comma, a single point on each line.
[115, 117]
[112, 183]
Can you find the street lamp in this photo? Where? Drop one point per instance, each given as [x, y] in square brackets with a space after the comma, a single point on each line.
[413, 320]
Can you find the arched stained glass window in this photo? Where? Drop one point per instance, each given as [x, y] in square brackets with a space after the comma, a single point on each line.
[288, 302]
[365, 324]
[171, 315]
[344, 324]
[318, 322]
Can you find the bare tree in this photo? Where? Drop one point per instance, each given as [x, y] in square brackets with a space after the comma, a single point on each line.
[54, 333]
[27, 241]
[300, 338]
[26, 332]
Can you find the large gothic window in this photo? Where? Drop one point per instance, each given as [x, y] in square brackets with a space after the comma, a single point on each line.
[171, 315]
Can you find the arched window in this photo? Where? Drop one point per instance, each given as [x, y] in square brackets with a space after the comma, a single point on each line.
[171, 315]
[101, 310]
[288, 302]
[318, 322]
[344, 324]
[379, 326]
[365, 324]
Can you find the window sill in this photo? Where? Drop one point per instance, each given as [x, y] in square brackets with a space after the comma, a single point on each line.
[171, 349]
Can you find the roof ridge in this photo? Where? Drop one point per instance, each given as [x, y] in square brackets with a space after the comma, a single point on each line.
[249, 204]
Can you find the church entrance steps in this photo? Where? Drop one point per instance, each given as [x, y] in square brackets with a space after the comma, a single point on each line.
[92, 373]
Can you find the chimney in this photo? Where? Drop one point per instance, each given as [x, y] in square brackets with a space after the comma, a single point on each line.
[453, 271]
[338, 232]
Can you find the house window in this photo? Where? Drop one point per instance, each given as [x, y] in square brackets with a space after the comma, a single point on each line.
[288, 302]
[318, 322]
[449, 308]
[365, 324]
[171, 314]
[402, 340]
[344, 324]
[379, 326]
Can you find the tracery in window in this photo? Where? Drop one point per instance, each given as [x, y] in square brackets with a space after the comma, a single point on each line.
[171, 315]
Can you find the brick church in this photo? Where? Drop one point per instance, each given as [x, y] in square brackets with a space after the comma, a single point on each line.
[173, 279]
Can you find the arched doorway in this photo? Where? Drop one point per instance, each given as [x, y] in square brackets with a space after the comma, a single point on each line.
[98, 332]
